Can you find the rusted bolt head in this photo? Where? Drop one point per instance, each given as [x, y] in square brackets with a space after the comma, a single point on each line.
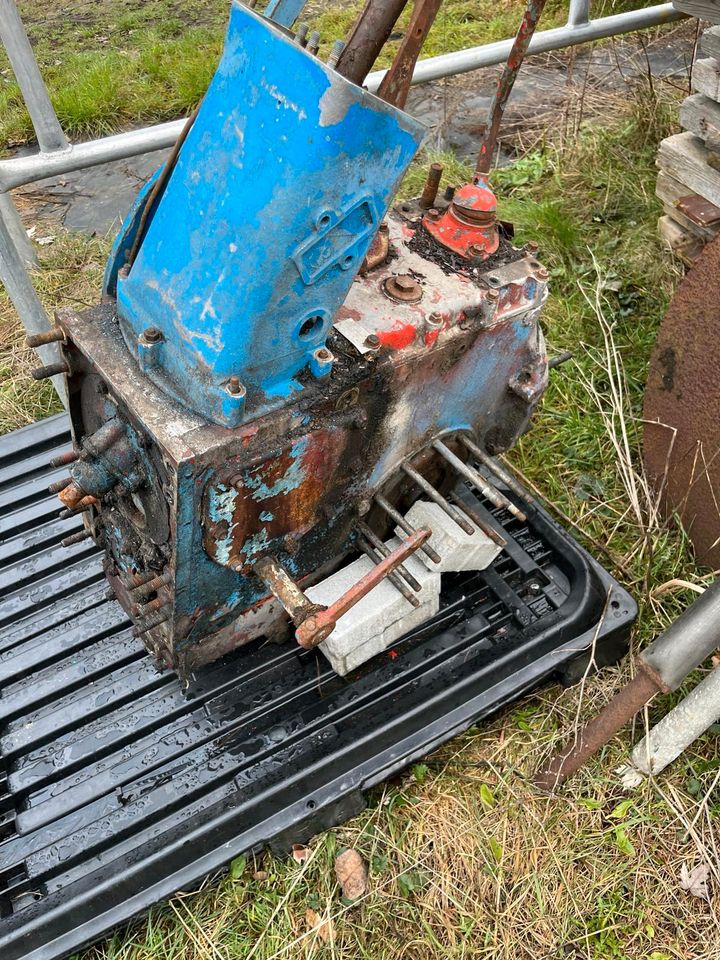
[532, 248]
[476, 250]
[235, 387]
[323, 355]
[402, 288]
[372, 340]
[492, 295]
[433, 213]
[152, 335]
[434, 319]
[542, 274]
[363, 507]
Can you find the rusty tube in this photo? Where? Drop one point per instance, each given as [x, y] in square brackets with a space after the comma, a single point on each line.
[432, 185]
[505, 85]
[368, 36]
[662, 667]
[375, 556]
[384, 551]
[478, 521]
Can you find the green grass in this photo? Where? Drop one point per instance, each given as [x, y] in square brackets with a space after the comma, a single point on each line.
[466, 859]
[131, 62]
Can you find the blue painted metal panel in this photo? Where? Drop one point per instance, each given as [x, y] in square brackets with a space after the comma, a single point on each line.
[284, 12]
[266, 217]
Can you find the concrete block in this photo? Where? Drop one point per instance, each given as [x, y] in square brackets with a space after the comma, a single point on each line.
[458, 550]
[380, 618]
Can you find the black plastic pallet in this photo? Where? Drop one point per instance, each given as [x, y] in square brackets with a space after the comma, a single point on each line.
[118, 787]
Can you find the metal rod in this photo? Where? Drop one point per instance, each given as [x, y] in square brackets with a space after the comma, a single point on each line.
[578, 13]
[478, 521]
[384, 551]
[55, 335]
[437, 498]
[57, 485]
[18, 285]
[375, 555]
[284, 12]
[395, 85]
[490, 54]
[75, 538]
[479, 482]
[50, 370]
[505, 85]
[48, 131]
[63, 459]
[500, 472]
[281, 585]
[148, 586]
[367, 37]
[16, 229]
[405, 526]
[432, 184]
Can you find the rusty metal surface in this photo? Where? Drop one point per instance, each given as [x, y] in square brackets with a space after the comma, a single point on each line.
[682, 399]
[505, 85]
[699, 210]
[318, 627]
[368, 36]
[621, 709]
[395, 85]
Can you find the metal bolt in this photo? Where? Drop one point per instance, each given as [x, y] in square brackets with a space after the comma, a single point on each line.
[476, 250]
[450, 191]
[532, 248]
[337, 49]
[433, 213]
[372, 340]
[434, 320]
[51, 370]
[314, 42]
[363, 507]
[492, 295]
[302, 32]
[405, 283]
[49, 336]
[542, 274]
[152, 335]
[402, 288]
[234, 386]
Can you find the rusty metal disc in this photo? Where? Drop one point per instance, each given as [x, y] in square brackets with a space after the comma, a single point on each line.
[682, 407]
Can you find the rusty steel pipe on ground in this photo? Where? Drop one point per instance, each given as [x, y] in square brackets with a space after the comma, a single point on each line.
[505, 86]
[368, 36]
[661, 668]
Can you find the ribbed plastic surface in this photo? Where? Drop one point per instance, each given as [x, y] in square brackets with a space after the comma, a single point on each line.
[117, 787]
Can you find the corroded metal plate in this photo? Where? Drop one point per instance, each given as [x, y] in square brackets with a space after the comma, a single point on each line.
[682, 407]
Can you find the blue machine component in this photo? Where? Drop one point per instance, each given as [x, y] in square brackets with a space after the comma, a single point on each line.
[265, 219]
[284, 12]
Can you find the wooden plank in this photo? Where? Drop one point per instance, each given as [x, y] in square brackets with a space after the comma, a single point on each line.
[701, 116]
[710, 42]
[668, 189]
[705, 234]
[704, 9]
[680, 242]
[706, 77]
[684, 157]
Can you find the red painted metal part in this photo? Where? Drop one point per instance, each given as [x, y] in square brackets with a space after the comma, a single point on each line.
[505, 85]
[321, 624]
[468, 226]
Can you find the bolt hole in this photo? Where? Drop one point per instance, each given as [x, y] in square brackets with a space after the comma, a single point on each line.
[534, 264]
[324, 221]
[406, 208]
[311, 805]
[310, 328]
[614, 604]
[493, 280]
[347, 262]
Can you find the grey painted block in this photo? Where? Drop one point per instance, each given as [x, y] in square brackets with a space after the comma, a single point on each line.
[458, 550]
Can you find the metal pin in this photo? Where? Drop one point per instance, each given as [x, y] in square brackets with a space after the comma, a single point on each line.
[430, 490]
[51, 370]
[49, 336]
[81, 508]
[560, 358]
[405, 526]
[314, 42]
[154, 620]
[432, 185]
[57, 485]
[337, 49]
[384, 551]
[500, 472]
[142, 609]
[302, 34]
[484, 486]
[75, 538]
[150, 586]
[478, 521]
[139, 579]
[393, 578]
[63, 459]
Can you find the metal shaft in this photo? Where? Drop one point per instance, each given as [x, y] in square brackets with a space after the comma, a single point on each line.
[284, 588]
[384, 551]
[505, 85]
[393, 578]
[395, 84]
[478, 521]
[479, 482]
[368, 36]
[438, 498]
[405, 526]
[494, 467]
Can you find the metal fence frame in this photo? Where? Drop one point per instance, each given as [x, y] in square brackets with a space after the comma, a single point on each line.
[56, 155]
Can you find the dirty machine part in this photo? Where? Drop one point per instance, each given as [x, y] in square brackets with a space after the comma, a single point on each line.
[120, 785]
[284, 363]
